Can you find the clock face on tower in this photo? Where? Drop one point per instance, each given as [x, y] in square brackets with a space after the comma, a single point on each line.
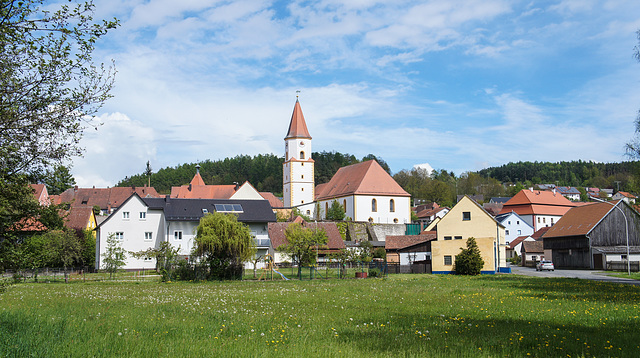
[302, 143]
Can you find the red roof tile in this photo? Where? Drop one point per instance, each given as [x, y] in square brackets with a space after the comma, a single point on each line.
[298, 126]
[278, 238]
[105, 198]
[273, 200]
[516, 241]
[78, 217]
[366, 178]
[537, 202]
[397, 242]
[540, 233]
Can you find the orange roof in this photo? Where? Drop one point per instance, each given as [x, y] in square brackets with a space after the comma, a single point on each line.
[197, 180]
[516, 241]
[28, 224]
[297, 127]
[104, 197]
[628, 195]
[197, 189]
[366, 178]
[273, 200]
[78, 217]
[540, 233]
[537, 202]
[579, 220]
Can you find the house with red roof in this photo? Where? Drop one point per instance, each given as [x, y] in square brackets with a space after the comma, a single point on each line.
[335, 242]
[623, 195]
[408, 250]
[515, 246]
[539, 208]
[592, 235]
[41, 194]
[107, 199]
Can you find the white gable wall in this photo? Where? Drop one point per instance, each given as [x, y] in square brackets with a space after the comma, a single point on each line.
[363, 209]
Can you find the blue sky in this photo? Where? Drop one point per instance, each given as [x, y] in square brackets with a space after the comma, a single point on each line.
[460, 85]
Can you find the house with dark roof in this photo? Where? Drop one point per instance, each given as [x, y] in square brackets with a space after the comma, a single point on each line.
[531, 253]
[569, 192]
[591, 235]
[538, 208]
[408, 250]
[143, 223]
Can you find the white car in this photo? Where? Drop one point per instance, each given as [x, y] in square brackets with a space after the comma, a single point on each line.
[545, 265]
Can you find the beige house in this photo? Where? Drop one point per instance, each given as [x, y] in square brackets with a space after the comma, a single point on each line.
[468, 219]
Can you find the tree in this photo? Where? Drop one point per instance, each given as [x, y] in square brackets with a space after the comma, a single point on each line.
[64, 247]
[166, 258]
[148, 173]
[633, 146]
[49, 84]
[335, 212]
[58, 180]
[302, 244]
[224, 244]
[114, 255]
[469, 261]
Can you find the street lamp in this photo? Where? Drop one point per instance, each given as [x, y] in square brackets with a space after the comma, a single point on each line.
[626, 227]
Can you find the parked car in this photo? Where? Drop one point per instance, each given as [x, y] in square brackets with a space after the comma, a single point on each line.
[545, 265]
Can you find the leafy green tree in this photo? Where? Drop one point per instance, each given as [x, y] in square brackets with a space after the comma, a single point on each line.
[166, 257]
[114, 256]
[88, 248]
[380, 253]
[64, 247]
[469, 261]
[224, 244]
[58, 180]
[335, 212]
[302, 245]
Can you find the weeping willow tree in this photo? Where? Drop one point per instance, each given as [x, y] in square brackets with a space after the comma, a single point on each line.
[223, 244]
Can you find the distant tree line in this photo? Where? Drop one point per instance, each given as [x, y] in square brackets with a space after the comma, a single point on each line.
[263, 171]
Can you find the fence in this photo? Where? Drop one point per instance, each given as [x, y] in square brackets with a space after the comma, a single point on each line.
[622, 266]
[49, 274]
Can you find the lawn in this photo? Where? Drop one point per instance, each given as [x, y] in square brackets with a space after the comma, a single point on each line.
[403, 315]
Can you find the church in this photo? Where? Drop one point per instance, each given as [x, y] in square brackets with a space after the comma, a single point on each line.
[365, 190]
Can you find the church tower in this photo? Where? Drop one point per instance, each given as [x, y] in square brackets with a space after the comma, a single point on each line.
[298, 172]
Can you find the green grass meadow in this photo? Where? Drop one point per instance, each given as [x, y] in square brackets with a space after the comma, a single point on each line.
[402, 315]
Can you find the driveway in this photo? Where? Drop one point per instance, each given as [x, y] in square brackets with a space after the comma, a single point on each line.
[581, 274]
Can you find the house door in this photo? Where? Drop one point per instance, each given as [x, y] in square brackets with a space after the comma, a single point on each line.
[597, 262]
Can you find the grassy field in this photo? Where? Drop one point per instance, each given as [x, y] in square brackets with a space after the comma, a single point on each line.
[404, 315]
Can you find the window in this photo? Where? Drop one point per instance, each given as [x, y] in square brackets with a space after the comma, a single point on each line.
[447, 260]
[143, 215]
[458, 237]
[326, 208]
[228, 208]
[538, 220]
[447, 237]
[519, 232]
[344, 205]
[148, 236]
[509, 222]
[395, 220]
[551, 221]
[374, 205]
[308, 212]
[177, 235]
[302, 188]
[119, 236]
[148, 259]
[623, 257]
[302, 176]
[544, 220]
[125, 214]
[517, 222]
[301, 154]
[392, 206]
[466, 216]
[205, 211]
[506, 232]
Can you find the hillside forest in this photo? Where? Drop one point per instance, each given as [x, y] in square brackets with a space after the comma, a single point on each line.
[264, 172]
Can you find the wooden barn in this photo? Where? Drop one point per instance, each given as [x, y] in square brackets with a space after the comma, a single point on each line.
[594, 236]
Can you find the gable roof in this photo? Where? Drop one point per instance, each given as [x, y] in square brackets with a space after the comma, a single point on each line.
[532, 246]
[540, 233]
[78, 217]
[569, 190]
[197, 189]
[105, 198]
[429, 212]
[538, 202]
[272, 199]
[580, 220]
[366, 178]
[278, 237]
[398, 242]
[499, 199]
[297, 126]
[516, 241]
[461, 202]
[193, 209]
[627, 195]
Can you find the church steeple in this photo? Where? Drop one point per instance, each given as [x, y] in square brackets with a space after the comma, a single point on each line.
[298, 172]
[297, 126]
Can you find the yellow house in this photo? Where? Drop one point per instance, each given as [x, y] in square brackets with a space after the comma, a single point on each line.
[468, 219]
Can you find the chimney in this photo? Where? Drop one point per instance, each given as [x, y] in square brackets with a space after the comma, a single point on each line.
[237, 186]
[75, 188]
[189, 186]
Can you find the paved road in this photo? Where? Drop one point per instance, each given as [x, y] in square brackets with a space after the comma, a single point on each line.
[581, 274]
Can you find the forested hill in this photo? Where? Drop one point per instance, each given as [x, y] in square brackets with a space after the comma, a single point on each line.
[574, 173]
[263, 171]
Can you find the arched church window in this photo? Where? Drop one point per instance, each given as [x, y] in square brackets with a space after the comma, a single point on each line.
[302, 154]
[374, 205]
[344, 205]
[392, 206]
[326, 208]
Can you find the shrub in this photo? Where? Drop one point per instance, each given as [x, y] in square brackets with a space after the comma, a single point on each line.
[469, 261]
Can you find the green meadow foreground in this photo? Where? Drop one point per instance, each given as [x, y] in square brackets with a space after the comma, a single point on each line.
[417, 315]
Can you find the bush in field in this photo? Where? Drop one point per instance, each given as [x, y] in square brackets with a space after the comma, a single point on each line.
[469, 261]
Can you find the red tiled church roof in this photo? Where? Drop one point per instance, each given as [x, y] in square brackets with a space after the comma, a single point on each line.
[298, 126]
[366, 178]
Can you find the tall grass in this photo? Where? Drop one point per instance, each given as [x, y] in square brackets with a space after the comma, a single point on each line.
[404, 315]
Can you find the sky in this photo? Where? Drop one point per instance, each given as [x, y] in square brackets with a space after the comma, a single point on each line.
[454, 85]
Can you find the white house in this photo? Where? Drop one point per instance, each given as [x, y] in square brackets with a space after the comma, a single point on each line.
[143, 223]
[515, 226]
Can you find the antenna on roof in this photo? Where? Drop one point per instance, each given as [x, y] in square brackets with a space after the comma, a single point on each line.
[198, 168]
